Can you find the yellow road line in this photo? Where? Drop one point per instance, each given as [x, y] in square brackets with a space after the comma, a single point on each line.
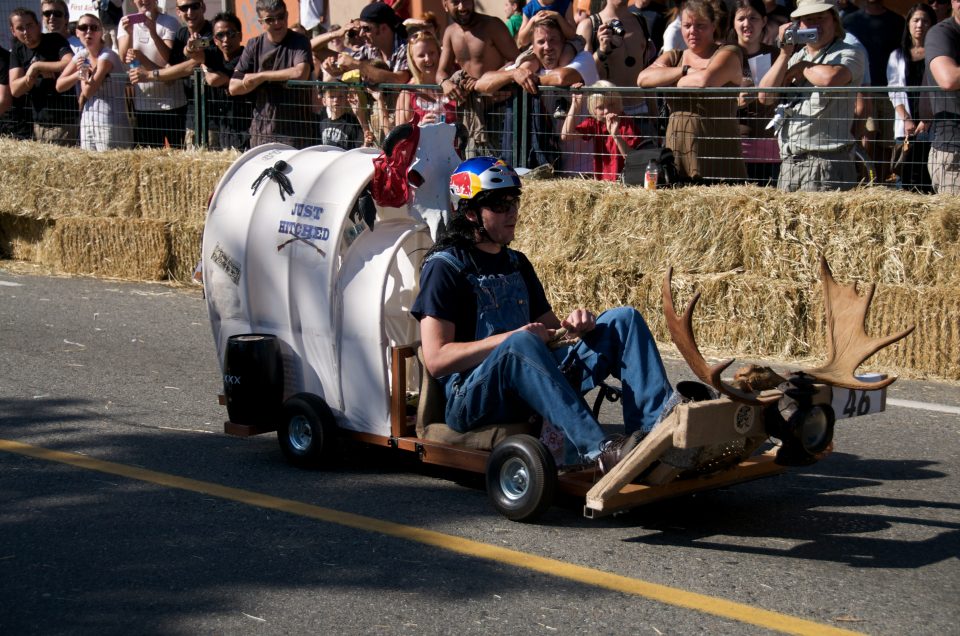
[589, 576]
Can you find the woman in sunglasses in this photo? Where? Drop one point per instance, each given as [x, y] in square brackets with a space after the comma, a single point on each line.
[99, 73]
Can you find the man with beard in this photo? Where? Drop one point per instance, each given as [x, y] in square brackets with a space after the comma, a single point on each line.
[477, 43]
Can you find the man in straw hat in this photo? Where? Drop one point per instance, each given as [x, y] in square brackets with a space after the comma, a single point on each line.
[814, 128]
[942, 50]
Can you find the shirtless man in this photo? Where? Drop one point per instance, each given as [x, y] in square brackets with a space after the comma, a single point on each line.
[477, 43]
[619, 58]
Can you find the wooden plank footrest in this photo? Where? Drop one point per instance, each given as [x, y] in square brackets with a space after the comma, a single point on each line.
[246, 430]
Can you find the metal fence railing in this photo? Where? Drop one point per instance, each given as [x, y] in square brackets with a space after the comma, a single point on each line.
[801, 138]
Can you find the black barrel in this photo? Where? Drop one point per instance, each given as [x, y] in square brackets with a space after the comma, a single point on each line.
[253, 379]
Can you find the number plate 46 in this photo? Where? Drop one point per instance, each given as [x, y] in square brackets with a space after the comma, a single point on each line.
[852, 403]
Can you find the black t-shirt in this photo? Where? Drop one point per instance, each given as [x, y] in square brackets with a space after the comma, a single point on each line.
[343, 132]
[943, 39]
[448, 295]
[49, 107]
[227, 114]
[16, 121]
[178, 55]
[880, 35]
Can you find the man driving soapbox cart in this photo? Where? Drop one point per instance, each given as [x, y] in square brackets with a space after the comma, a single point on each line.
[312, 275]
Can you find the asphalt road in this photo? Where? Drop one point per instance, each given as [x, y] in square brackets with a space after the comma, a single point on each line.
[114, 516]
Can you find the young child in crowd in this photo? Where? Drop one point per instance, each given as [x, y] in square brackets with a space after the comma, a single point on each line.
[336, 125]
[611, 134]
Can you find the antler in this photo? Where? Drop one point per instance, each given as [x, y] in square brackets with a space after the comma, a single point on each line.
[681, 331]
[848, 345]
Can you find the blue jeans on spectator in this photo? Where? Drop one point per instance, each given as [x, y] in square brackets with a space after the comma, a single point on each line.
[523, 374]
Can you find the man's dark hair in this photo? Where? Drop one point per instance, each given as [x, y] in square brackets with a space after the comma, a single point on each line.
[549, 23]
[22, 12]
[266, 6]
[229, 18]
[60, 4]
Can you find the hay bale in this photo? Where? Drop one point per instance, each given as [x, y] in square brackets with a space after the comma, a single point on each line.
[185, 240]
[21, 237]
[46, 181]
[132, 249]
[883, 235]
[602, 224]
[177, 185]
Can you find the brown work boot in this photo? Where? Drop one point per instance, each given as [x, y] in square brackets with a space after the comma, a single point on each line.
[615, 447]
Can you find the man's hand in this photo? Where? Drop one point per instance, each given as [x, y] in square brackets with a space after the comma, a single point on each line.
[539, 330]
[795, 74]
[579, 322]
[526, 79]
[347, 63]
[787, 49]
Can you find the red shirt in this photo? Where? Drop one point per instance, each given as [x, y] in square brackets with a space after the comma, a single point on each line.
[607, 160]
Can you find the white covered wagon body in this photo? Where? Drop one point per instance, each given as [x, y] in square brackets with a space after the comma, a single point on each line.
[305, 268]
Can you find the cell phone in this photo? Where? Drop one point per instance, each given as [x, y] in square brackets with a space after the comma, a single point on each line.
[136, 18]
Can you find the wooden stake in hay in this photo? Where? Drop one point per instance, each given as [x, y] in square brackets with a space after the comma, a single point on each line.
[132, 249]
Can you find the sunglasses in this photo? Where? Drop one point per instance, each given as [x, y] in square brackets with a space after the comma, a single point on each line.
[92, 28]
[225, 35]
[364, 28]
[53, 13]
[503, 206]
[193, 6]
[274, 19]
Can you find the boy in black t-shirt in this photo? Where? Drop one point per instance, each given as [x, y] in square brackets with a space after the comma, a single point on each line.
[337, 126]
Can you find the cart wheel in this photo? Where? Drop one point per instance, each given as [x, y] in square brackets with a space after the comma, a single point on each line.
[306, 431]
[521, 478]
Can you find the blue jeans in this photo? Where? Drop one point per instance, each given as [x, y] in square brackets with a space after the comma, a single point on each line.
[523, 374]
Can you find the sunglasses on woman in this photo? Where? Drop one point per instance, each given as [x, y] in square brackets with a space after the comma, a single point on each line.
[92, 28]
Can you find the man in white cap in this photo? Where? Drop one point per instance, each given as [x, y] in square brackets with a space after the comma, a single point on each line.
[814, 128]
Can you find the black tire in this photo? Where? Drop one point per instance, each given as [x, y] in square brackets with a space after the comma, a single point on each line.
[306, 431]
[521, 478]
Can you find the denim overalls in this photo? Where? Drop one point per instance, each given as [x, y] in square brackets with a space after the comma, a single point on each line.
[523, 374]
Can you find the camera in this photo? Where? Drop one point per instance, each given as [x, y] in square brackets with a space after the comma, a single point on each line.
[353, 34]
[795, 35]
[616, 28]
[202, 43]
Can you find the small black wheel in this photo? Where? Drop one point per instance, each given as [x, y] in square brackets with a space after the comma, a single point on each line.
[521, 478]
[306, 431]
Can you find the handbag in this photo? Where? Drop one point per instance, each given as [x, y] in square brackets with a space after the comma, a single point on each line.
[635, 166]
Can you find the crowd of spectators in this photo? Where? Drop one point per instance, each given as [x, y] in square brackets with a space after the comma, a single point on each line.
[75, 85]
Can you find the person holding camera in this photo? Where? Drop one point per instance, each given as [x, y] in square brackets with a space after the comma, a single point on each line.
[186, 54]
[703, 131]
[814, 128]
[621, 48]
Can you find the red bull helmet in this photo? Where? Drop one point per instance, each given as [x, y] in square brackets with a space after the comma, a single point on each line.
[481, 174]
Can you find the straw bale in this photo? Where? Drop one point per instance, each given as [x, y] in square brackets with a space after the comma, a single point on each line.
[133, 249]
[21, 237]
[185, 239]
[177, 185]
[884, 235]
[47, 181]
[933, 349]
[602, 224]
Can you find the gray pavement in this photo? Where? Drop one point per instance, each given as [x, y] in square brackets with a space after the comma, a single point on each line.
[866, 540]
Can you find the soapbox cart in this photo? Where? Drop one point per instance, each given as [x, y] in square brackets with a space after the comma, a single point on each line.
[309, 282]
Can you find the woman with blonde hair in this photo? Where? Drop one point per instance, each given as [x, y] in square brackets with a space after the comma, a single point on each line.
[703, 130]
[423, 58]
[99, 72]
